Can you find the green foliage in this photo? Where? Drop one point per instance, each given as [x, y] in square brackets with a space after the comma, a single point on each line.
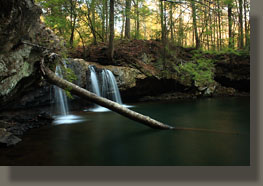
[81, 22]
[228, 2]
[67, 91]
[201, 71]
[228, 51]
[70, 76]
[225, 51]
[159, 63]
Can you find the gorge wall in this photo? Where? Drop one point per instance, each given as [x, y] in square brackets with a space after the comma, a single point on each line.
[138, 73]
[21, 32]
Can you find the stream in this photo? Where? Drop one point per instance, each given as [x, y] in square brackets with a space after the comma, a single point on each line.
[106, 138]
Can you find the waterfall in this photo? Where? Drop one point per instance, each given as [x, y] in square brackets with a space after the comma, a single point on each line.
[62, 112]
[94, 81]
[60, 96]
[109, 87]
[103, 84]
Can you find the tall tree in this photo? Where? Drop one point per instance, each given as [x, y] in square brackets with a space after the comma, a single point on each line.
[107, 19]
[103, 26]
[137, 31]
[211, 23]
[128, 19]
[164, 35]
[246, 23]
[197, 41]
[219, 24]
[240, 17]
[180, 28]
[89, 18]
[111, 44]
[162, 20]
[123, 24]
[93, 22]
[171, 22]
[230, 23]
[73, 18]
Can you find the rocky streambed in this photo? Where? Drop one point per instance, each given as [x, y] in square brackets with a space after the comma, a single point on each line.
[14, 124]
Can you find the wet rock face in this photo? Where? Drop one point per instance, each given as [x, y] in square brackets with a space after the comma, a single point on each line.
[19, 21]
[20, 35]
[234, 74]
[132, 83]
[126, 77]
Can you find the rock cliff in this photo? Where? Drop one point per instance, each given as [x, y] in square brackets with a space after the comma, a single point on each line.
[21, 34]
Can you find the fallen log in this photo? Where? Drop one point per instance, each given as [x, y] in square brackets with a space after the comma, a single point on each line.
[116, 107]
[85, 94]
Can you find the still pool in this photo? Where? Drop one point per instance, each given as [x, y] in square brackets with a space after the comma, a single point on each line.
[106, 138]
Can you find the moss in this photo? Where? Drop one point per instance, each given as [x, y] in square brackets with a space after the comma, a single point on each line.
[201, 72]
[69, 75]
[26, 69]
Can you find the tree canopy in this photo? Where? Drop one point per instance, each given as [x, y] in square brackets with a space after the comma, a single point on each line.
[210, 25]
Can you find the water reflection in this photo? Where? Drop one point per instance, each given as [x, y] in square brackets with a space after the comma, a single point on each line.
[106, 138]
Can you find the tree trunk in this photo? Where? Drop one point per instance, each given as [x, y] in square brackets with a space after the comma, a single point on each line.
[128, 19]
[197, 41]
[137, 35]
[181, 31]
[219, 25]
[103, 21]
[163, 25]
[111, 46]
[246, 26]
[107, 21]
[83, 44]
[73, 18]
[240, 17]
[93, 20]
[171, 22]
[162, 20]
[83, 93]
[210, 27]
[122, 25]
[230, 23]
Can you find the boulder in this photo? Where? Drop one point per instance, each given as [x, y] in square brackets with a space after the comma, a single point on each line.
[7, 138]
[126, 77]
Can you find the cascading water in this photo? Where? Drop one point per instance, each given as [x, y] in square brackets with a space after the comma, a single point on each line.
[61, 100]
[109, 87]
[94, 81]
[60, 96]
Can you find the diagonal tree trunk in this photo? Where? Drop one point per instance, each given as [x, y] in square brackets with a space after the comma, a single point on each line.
[83, 93]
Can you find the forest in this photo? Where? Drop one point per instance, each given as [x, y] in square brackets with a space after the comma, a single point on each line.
[79, 77]
[201, 24]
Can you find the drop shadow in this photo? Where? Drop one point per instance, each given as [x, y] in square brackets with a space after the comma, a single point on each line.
[160, 173]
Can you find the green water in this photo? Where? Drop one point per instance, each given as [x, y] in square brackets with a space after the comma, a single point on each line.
[110, 139]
